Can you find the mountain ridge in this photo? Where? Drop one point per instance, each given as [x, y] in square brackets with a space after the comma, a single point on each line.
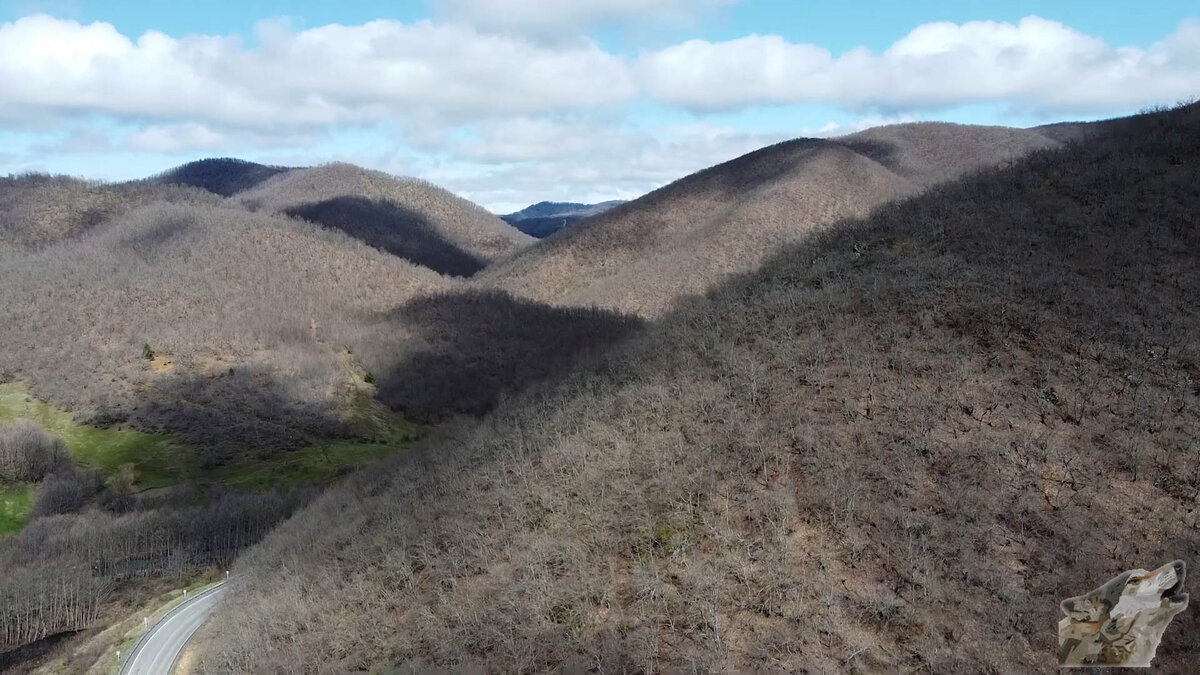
[645, 254]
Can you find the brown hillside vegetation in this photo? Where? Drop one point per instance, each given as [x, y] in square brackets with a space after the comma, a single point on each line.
[245, 335]
[37, 210]
[681, 239]
[417, 204]
[896, 446]
[255, 313]
[264, 327]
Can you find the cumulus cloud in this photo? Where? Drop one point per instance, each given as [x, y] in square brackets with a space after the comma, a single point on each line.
[485, 106]
[328, 75]
[509, 165]
[1035, 64]
[549, 17]
[175, 138]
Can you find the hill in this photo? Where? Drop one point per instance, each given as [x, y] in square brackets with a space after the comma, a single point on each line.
[191, 356]
[37, 210]
[224, 176]
[408, 217]
[641, 256]
[895, 446]
[249, 317]
[545, 218]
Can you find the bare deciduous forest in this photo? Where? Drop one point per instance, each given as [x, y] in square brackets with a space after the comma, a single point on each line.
[38, 210]
[88, 536]
[894, 446]
[954, 361]
[455, 220]
[244, 336]
[681, 239]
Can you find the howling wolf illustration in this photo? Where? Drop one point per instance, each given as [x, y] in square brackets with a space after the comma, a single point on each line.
[1122, 622]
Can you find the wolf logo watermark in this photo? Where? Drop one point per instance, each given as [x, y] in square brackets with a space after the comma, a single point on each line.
[1122, 622]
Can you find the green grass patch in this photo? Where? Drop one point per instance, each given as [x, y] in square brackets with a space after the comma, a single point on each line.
[157, 460]
[15, 502]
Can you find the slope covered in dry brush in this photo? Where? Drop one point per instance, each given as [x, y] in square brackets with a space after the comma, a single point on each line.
[681, 239]
[418, 205]
[38, 210]
[897, 445]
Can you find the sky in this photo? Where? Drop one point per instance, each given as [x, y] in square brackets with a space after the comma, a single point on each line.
[510, 102]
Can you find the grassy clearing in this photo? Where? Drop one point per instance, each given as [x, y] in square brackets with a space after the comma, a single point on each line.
[15, 502]
[160, 460]
[157, 460]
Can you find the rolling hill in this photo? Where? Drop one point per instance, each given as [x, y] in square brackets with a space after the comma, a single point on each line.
[38, 210]
[206, 365]
[896, 445]
[250, 316]
[643, 255]
[407, 217]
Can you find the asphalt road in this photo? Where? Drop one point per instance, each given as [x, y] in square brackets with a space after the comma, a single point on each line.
[158, 650]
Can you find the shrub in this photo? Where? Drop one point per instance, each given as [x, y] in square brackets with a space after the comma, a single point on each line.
[67, 492]
[28, 453]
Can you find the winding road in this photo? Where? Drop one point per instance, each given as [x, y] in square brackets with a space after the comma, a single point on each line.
[158, 650]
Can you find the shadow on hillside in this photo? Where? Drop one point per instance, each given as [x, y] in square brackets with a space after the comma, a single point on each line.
[878, 151]
[479, 344]
[222, 176]
[394, 228]
[248, 408]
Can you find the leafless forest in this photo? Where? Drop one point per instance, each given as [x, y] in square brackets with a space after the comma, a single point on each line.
[683, 238]
[940, 370]
[895, 445]
[243, 334]
[88, 535]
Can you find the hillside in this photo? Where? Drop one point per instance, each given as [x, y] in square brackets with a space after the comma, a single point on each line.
[407, 217]
[545, 218]
[896, 446]
[38, 210]
[250, 316]
[176, 377]
[641, 256]
[224, 176]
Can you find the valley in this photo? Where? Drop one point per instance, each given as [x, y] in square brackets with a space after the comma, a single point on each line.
[834, 392]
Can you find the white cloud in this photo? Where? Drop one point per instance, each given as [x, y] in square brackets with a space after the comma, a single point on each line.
[485, 107]
[328, 75]
[176, 138]
[1035, 64]
[548, 17]
[509, 165]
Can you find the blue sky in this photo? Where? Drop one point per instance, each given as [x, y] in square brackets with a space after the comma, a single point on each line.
[513, 101]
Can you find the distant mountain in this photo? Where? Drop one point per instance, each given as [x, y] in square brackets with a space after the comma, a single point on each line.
[224, 176]
[411, 218]
[545, 218]
[691, 234]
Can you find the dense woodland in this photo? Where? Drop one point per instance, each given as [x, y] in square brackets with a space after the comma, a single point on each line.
[241, 334]
[895, 446]
[955, 361]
